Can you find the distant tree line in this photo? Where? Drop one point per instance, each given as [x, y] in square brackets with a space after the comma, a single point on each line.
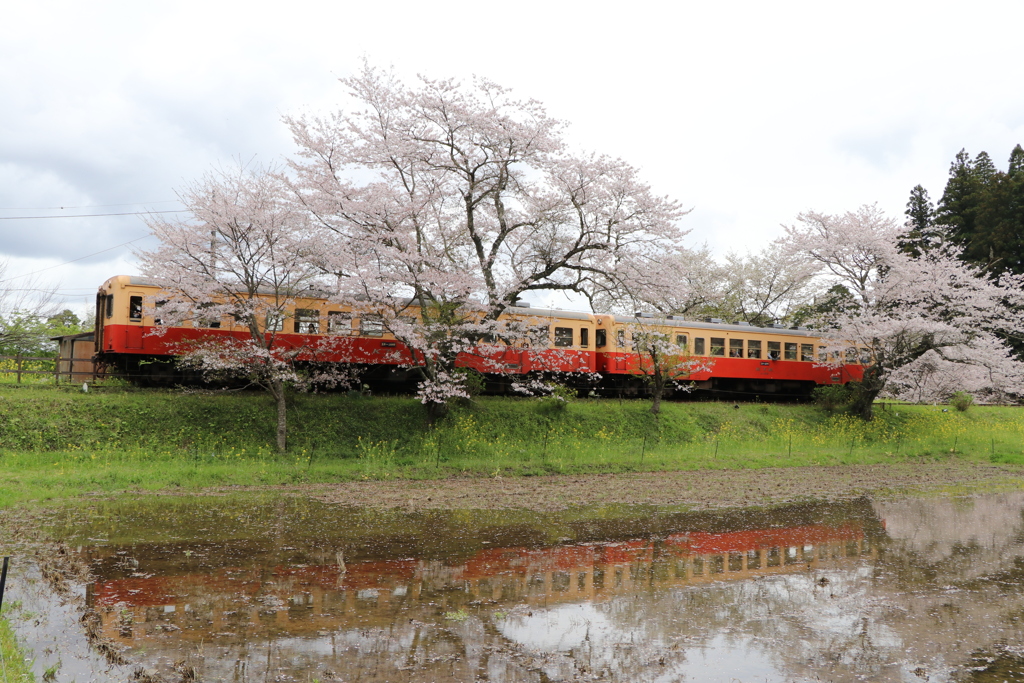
[980, 213]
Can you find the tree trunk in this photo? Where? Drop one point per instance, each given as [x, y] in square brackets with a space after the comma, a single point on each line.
[436, 411]
[866, 393]
[277, 389]
[655, 401]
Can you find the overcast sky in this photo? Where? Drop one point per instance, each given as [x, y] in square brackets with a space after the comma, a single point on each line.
[746, 112]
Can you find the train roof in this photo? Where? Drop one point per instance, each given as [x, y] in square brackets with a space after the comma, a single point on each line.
[705, 325]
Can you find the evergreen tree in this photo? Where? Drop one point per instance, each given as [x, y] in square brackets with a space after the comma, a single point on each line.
[921, 234]
[1016, 161]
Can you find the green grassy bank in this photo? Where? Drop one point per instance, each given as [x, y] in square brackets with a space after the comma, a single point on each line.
[13, 667]
[56, 442]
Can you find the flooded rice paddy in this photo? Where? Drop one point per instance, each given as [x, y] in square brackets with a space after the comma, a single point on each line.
[290, 589]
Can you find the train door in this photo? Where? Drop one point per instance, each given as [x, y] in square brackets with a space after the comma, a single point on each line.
[134, 329]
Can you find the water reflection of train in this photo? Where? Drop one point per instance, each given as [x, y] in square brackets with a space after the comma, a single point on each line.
[311, 598]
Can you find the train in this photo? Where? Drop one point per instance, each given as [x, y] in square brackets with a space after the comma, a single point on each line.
[592, 352]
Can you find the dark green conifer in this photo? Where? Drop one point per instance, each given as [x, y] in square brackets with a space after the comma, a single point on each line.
[920, 233]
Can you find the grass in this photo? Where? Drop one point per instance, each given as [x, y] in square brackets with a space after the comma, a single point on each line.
[13, 666]
[57, 442]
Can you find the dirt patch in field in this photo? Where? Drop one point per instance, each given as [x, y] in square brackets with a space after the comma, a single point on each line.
[697, 489]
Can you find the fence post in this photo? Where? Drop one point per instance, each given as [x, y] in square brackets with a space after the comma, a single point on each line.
[3, 581]
[56, 370]
[17, 367]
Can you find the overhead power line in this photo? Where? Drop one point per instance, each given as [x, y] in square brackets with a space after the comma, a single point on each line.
[80, 258]
[87, 206]
[89, 215]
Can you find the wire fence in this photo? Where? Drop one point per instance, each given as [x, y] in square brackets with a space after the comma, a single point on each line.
[58, 367]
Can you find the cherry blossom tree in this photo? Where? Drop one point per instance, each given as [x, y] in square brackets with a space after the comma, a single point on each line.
[244, 257]
[460, 198]
[769, 286]
[664, 359]
[908, 311]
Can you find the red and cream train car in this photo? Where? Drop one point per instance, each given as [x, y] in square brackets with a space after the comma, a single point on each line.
[739, 359]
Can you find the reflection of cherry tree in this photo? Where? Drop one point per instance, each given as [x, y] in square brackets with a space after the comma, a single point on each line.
[903, 308]
[460, 199]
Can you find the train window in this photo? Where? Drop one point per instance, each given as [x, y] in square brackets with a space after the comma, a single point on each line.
[698, 346]
[110, 305]
[851, 355]
[275, 321]
[681, 341]
[339, 323]
[718, 346]
[211, 320]
[601, 338]
[790, 350]
[620, 338]
[735, 348]
[753, 348]
[371, 326]
[563, 336]
[775, 350]
[822, 355]
[865, 356]
[584, 337]
[158, 320]
[307, 321]
[135, 308]
[807, 352]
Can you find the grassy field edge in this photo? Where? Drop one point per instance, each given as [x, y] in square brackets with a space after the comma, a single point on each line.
[57, 442]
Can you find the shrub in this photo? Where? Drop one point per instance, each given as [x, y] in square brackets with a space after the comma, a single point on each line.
[832, 397]
[961, 400]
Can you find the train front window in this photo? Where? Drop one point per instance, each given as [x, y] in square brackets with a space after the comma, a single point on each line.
[807, 352]
[774, 350]
[135, 308]
[698, 346]
[584, 337]
[753, 348]
[790, 350]
[307, 321]
[735, 348]
[601, 338]
[563, 336]
[718, 346]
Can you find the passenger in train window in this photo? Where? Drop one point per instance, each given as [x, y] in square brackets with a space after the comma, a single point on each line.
[135, 308]
[718, 346]
[735, 348]
[698, 346]
[775, 350]
[790, 350]
[753, 348]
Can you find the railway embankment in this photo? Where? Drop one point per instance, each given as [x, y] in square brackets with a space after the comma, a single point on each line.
[58, 442]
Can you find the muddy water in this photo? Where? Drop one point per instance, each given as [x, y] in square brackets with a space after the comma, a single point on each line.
[279, 589]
